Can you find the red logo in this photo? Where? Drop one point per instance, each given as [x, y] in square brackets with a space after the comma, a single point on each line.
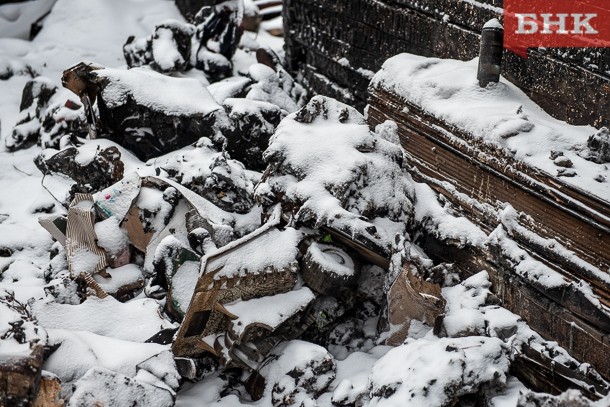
[556, 23]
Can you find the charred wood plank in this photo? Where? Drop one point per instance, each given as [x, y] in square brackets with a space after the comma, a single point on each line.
[539, 371]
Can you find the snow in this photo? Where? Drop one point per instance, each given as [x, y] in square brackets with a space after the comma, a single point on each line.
[493, 24]
[274, 24]
[270, 311]
[510, 396]
[431, 214]
[84, 261]
[268, 89]
[164, 46]
[110, 236]
[432, 372]
[184, 283]
[104, 387]
[332, 259]
[227, 87]
[92, 30]
[119, 277]
[17, 18]
[274, 250]
[526, 265]
[353, 374]
[136, 320]
[331, 188]
[501, 115]
[173, 96]
[95, 350]
[293, 356]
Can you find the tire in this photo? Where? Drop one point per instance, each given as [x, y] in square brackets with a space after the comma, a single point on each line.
[329, 270]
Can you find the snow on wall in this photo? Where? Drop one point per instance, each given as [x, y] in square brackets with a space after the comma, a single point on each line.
[501, 114]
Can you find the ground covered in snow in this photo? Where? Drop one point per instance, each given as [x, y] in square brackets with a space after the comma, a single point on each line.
[318, 159]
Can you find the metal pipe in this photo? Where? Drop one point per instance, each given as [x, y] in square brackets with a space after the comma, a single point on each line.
[490, 54]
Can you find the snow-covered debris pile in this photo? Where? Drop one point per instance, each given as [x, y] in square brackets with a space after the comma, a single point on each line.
[438, 372]
[211, 174]
[328, 169]
[153, 114]
[21, 350]
[296, 374]
[208, 45]
[47, 114]
[289, 313]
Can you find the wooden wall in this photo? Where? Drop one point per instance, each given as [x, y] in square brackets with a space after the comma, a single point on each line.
[337, 44]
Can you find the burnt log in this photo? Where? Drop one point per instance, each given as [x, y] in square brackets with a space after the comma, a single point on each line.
[102, 170]
[249, 127]
[149, 126]
[329, 270]
[149, 113]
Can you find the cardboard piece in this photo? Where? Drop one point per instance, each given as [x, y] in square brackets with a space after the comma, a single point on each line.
[411, 298]
[81, 240]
